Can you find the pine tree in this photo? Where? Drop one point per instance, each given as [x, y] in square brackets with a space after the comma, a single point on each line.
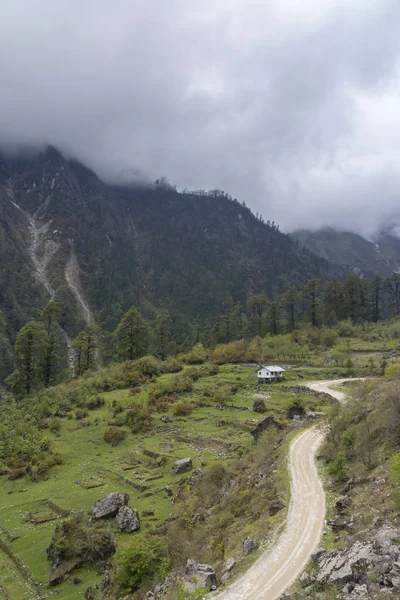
[132, 335]
[30, 347]
[376, 289]
[393, 286]
[289, 299]
[50, 316]
[310, 293]
[162, 333]
[85, 346]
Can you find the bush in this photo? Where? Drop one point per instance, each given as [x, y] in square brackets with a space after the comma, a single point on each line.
[196, 356]
[55, 425]
[95, 402]
[234, 352]
[182, 409]
[148, 366]
[139, 419]
[74, 539]
[140, 563]
[338, 468]
[171, 365]
[80, 413]
[114, 436]
[328, 337]
[259, 406]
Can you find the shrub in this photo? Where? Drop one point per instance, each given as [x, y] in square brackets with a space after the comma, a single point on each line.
[234, 352]
[259, 406]
[135, 390]
[95, 402]
[328, 337]
[182, 409]
[55, 425]
[141, 562]
[148, 366]
[393, 371]
[74, 539]
[296, 408]
[114, 436]
[80, 413]
[171, 365]
[196, 356]
[338, 467]
[139, 419]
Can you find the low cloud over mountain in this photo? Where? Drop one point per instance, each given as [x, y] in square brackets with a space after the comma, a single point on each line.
[290, 106]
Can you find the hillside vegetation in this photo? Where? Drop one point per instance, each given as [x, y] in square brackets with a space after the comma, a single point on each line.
[121, 429]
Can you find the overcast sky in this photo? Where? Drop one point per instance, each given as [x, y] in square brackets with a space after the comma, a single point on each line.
[292, 106]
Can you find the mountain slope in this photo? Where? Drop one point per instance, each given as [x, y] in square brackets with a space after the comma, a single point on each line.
[100, 248]
[352, 251]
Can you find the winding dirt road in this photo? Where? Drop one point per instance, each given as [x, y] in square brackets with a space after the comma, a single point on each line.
[276, 569]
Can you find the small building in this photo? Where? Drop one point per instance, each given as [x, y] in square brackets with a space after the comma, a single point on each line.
[270, 373]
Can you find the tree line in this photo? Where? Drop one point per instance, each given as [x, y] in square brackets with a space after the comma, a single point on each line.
[40, 353]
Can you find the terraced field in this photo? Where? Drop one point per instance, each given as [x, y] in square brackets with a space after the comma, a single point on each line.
[141, 466]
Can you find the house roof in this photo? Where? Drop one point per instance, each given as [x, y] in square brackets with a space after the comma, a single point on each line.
[274, 368]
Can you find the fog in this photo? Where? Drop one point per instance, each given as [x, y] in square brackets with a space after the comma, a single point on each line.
[292, 107]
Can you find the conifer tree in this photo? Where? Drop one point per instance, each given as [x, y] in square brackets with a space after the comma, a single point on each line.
[30, 348]
[132, 335]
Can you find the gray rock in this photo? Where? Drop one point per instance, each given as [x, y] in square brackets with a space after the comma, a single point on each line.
[199, 576]
[225, 577]
[90, 593]
[182, 465]
[106, 581]
[127, 519]
[229, 564]
[109, 506]
[305, 580]
[275, 507]
[339, 568]
[396, 583]
[317, 554]
[248, 546]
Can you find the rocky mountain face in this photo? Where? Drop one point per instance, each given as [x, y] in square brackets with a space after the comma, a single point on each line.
[354, 252]
[100, 249]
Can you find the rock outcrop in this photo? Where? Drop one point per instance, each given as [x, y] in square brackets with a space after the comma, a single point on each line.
[248, 546]
[109, 506]
[127, 519]
[365, 569]
[182, 465]
[199, 576]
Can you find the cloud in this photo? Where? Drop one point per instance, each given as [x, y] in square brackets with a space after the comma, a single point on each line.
[290, 106]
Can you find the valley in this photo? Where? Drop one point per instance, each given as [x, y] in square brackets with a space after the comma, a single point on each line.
[209, 419]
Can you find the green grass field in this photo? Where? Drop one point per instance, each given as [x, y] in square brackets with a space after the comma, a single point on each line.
[92, 469]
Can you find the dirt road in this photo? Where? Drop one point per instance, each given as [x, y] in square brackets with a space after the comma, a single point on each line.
[276, 569]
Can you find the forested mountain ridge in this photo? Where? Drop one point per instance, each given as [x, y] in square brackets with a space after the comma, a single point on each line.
[100, 249]
[354, 252]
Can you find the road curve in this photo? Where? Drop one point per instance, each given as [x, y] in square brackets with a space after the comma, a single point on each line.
[276, 569]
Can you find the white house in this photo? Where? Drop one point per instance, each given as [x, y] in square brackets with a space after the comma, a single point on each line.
[268, 373]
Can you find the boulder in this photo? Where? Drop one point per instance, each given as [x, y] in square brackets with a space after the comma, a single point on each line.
[229, 564]
[182, 465]
[248, 546]
[351, 565]
[109, 506]
[199, 576]
[60, 569]
[127, 519]
[317, 554]
[90, 593]
[275, 507]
